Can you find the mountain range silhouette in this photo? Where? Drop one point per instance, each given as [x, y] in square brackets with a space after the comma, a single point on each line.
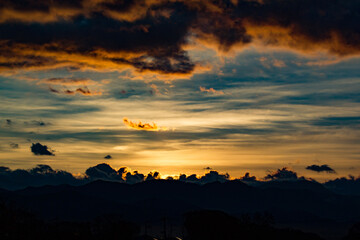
[300, 204]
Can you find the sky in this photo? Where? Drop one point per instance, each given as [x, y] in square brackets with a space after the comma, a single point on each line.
[178, 86]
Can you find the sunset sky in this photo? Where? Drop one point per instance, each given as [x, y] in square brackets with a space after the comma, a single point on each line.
[180, 85]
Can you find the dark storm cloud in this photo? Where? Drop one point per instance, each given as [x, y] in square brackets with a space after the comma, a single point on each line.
[39, 149]
[322, 168]
[150, 35]
[147, 44]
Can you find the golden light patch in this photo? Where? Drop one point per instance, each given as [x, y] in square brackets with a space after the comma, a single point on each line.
[143, 126]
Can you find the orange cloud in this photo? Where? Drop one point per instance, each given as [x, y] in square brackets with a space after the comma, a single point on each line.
[211, 90]
[143, 126]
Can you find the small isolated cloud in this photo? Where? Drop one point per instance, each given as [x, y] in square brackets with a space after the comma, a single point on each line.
[36, 123]
[208, 168]
[211, 90]
[14, 145]
[39, 149]
[108, 157]
[53, 90]
[322, 168]
[87, 92]
[143, 126]
[282, 174]
[8, 122]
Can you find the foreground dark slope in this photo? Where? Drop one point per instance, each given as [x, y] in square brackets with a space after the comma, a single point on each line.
[300, 204]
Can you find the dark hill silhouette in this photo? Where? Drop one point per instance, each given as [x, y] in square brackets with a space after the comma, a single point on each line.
[345, 186]
[17, 224]
[354, 232]
[306, 205]
[214, 225]
[296, 184]
[283, 178]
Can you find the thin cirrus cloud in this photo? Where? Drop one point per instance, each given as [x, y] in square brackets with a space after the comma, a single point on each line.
[153, 35]
[143, 126]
